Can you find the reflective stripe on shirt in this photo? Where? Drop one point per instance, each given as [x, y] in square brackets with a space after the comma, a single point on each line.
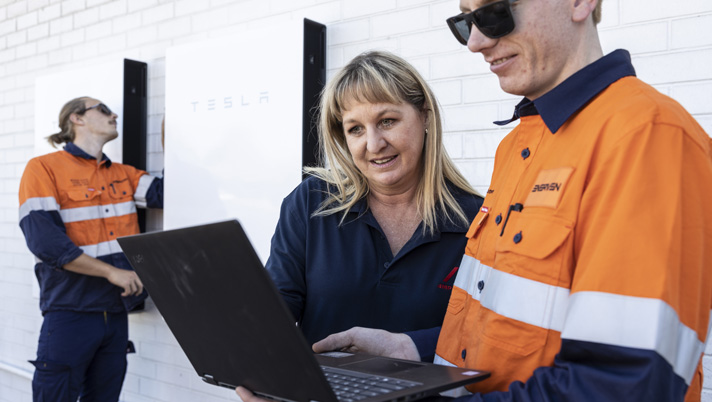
[97, 212]
[38, 204]
[634, 322]
[606, 318]
[512, 296]
[144, 183]
[439, 360]
[77, 214]
[102, 249]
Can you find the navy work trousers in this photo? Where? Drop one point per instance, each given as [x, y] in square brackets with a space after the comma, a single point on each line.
[80, 354]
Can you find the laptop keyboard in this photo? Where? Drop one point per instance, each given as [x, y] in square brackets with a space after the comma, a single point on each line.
[352, 386]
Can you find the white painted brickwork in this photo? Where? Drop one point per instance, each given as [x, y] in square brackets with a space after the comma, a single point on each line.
[671, 44]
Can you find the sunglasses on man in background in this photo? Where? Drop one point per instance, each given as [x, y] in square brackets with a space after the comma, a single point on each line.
[494, 20]
[101, 107]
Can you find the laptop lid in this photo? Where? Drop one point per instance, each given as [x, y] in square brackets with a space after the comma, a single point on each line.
[231, 322]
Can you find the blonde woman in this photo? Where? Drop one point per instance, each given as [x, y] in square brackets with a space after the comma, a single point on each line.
[376, 238]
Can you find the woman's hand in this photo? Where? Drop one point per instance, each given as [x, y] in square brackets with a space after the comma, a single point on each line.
[375, 342]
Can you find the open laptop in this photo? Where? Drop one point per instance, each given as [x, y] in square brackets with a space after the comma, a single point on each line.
[227, 315]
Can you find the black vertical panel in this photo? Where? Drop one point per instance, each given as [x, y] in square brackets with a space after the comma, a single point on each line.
[134, 120]
[314, 79]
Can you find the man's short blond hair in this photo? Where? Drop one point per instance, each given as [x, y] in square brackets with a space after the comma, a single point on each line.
[597, 13]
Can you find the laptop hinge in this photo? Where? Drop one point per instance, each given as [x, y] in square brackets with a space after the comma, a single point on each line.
[209, 379]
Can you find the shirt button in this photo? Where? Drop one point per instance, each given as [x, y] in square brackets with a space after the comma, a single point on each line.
[111, 233]
[498, 219]
[525, 153]
[481, 285]
[518, 237]
[107, 210]
[124, 192]
[102, 187]
[464, 354]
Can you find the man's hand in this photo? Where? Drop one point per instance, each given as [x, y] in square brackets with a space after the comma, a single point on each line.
[127, 280]
[370, 341]
[247, 396]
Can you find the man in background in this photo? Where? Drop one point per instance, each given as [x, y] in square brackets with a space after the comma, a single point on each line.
[74, 203]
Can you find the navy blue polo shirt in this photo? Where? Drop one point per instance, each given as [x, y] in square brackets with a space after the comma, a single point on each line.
[334, 277]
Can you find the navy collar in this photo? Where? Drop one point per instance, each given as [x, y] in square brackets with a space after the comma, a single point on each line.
[444, 225]
[559, 104]
[76, 151]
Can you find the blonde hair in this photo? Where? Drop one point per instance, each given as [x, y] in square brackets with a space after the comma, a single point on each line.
[381, 77]
[597, 13]
[76, 105]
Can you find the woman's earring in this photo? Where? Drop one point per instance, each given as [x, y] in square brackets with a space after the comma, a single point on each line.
[426, 131]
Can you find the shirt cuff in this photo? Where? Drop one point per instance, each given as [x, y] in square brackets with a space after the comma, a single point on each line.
[425, 341]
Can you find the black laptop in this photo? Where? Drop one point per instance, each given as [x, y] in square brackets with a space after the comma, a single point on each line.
[227, 315]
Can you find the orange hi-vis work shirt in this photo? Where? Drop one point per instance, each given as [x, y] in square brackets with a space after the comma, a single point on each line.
[71, 205]
[588, 270]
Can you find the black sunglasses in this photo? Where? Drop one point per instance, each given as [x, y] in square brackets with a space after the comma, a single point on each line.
[102, 108]
[494, 21]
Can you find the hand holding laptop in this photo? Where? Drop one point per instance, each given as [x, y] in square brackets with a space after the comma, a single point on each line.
[371, 341]
[247, 396]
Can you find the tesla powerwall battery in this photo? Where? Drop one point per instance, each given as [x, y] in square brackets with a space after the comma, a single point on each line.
[235, 125]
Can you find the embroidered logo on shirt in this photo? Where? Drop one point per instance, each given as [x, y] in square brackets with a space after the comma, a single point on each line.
[548, 187]
[449, 276]
[79, 182]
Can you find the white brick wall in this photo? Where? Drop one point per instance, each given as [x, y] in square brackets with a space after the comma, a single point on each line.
[671, 48]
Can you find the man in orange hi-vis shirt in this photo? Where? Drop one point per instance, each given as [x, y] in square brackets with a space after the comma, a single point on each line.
[588, 273]
[74, 203]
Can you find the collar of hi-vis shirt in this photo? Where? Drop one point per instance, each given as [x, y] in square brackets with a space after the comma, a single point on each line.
[76, 151]
[559, 104]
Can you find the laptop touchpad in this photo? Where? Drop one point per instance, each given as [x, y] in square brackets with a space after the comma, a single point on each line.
[381, 366]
